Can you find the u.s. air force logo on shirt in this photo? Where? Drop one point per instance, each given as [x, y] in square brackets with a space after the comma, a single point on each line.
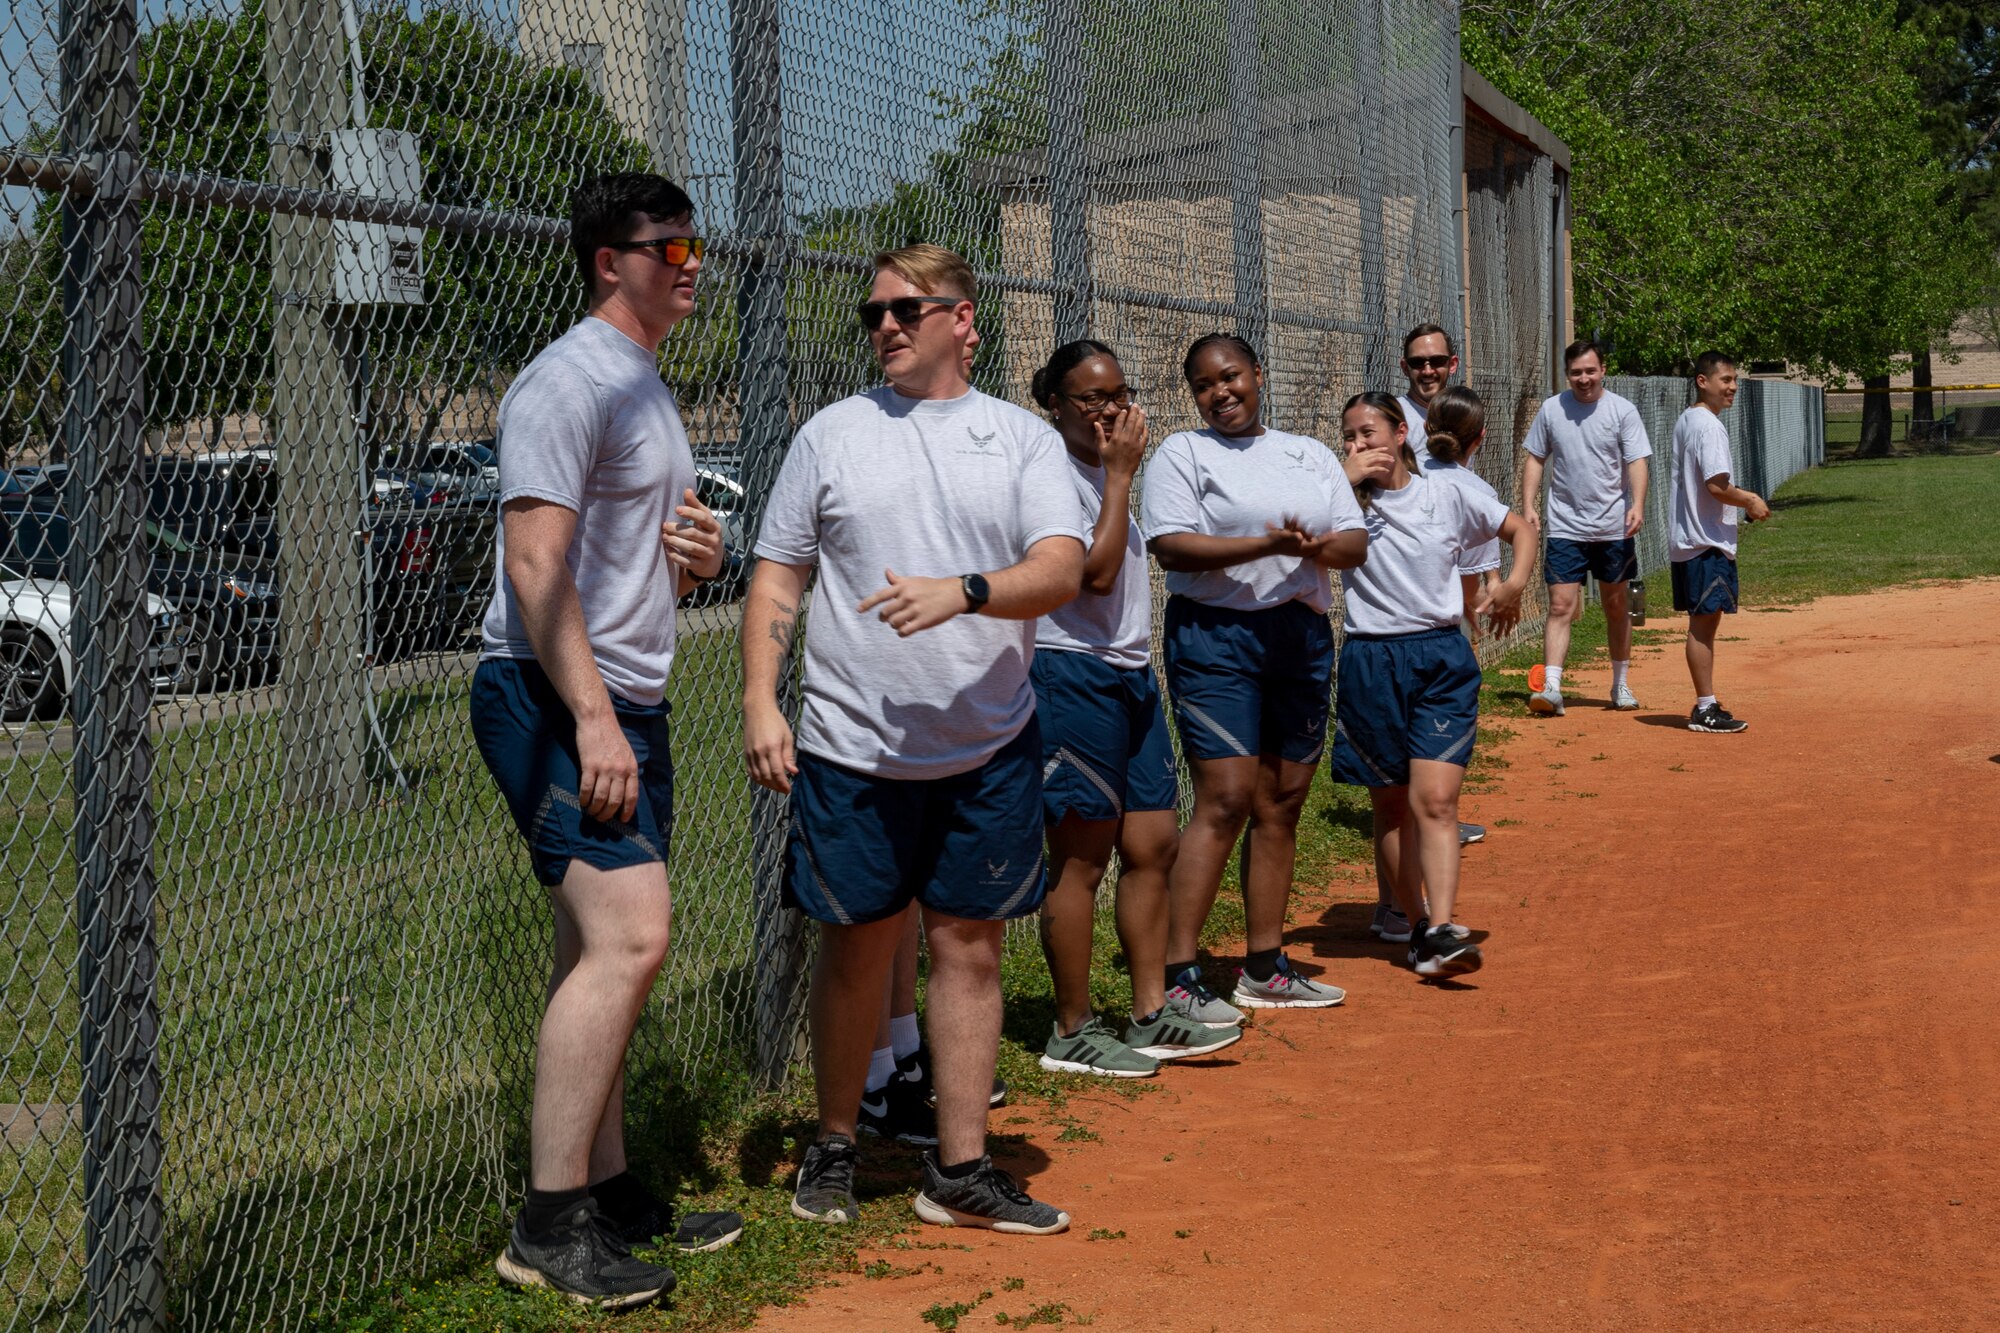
[980, 445]
[1298, 456]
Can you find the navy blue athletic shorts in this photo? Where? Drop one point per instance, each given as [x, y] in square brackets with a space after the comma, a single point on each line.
[970, 845]
[1105, 747]
[1404, 697]
[1249, 682]
[1568, 561]
[528, 740]
[1705, 584]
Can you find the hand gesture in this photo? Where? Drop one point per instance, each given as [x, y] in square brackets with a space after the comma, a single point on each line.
[1123, 447]
[1757, 509]
[1634, 520]
[1364, 465]
[767, 747]
[608, 776]
[1500, 605]
[910, 604]
[695, 544]
[1288, 536]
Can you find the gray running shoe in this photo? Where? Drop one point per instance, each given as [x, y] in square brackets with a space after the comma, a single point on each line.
[825, 1192]
[1172, 1036]
[1095, 1049]
[1470, 833]
[582, 1257]
[1190, 998]
[1285, 990]
[1548, 700]
[1391, 925]
[987, 1198]
[1624, 700]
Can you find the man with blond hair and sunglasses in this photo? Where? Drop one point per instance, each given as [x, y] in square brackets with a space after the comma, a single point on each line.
[600, 533]
[941, 523]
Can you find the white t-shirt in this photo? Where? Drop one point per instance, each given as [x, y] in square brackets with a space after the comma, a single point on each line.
[589, 426]
[1701, 451]
[1588, 446]
[1415, 416]
[1219, 485]
[1487, 555]
[1417, 539]
[1118, 626]
[937, 488]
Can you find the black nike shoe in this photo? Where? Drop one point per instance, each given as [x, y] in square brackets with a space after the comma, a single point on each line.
[900, 1110]
[582, 1257]
[1438, 952]
[916, 1067]
[1715, 718]
[641, 1217]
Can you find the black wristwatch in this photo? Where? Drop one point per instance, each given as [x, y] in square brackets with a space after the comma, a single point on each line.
[976, 591]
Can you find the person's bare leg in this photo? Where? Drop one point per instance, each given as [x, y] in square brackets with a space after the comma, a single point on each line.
[1564, 599]
[964, 1022]
[1079, 851]
[849, 979]
[1433, 795]
[607, 1149]
[1701, 652]
[1279, 796]
[1394, 857]
[1223, 789]
[621, 921]
[1617, 600]
[900, 997]
[1148, 843]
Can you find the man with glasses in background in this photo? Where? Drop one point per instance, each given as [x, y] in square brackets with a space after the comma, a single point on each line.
[600, 533]
[941, 523]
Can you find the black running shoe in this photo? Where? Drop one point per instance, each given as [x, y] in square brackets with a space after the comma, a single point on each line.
[1439, 952]
[582, 1257]
[825, 1189]
[987, 1198]
[916, 1067]
[1715, 718]
[641, 1217]
[900, 1110]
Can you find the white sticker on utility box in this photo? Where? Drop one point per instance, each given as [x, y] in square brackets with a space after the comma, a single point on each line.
[376, 264]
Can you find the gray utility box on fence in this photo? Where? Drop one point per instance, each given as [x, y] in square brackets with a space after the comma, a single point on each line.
[376, 264]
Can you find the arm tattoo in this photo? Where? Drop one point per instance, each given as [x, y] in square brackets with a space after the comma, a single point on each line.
[784, 626]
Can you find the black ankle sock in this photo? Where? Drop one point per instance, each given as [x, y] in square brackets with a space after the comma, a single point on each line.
[1174, 971]
[1149, 1018]
[1261, 964]
[543, 1207]
[616, 1193]
[961, 1171]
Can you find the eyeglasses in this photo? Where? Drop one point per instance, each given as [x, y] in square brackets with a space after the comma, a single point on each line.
[1427, 362]
[675, 250]
[907, 309]
[1098, 402]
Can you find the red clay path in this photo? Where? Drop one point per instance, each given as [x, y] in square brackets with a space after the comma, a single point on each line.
[1734, 1061]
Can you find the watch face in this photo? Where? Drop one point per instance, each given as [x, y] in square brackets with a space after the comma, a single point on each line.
[976, 590]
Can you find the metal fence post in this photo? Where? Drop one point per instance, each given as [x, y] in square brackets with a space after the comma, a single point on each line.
[1069, 168]
[1371, 82]
[324, 718]
[104, 434]
[1461, 237]
[1246, 177]
[763, 385]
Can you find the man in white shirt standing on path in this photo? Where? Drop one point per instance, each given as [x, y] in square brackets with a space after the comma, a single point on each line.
[941, 523]
[1593, 447]
[1429, 362]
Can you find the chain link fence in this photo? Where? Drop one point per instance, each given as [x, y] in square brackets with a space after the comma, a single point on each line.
[273, 959]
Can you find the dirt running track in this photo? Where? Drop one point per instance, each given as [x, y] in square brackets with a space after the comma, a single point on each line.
[1731, 1064]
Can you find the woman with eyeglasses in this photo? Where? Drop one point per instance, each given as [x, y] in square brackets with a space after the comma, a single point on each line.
[1409, 696]
[1108, 779]
[1247, 521]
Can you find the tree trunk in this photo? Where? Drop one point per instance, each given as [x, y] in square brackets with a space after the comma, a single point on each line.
[1923, 414]
[1874, 418]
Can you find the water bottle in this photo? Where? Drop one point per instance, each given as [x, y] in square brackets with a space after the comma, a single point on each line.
[1638, 601]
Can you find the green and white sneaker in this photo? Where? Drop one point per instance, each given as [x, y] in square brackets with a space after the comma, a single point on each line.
[1095, 1049]
[1170, 1036]
[1191, 999]
[1285, 990]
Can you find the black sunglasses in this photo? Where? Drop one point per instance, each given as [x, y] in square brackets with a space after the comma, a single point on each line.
[675, 250]
[907, 309]
[1427, 362]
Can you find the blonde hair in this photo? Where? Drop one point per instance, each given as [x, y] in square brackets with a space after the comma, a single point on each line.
[931, 269]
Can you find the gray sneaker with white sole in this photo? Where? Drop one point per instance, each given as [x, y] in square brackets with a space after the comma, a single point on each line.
[1192, 999]
[1286, 989]
[1168, 1035]
[1095, 1049]
[988, 1198]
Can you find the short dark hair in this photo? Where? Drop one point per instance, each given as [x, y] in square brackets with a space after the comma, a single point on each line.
[1425, 331]
[602, 212]
[1579, 349]
[1048, 381]
[1711, 361]
[1208, 340]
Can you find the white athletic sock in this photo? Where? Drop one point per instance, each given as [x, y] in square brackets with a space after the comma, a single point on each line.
[1554, 675]
[1704, 701]
[881, 1068]
[904, 1036]
[1618, 670]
